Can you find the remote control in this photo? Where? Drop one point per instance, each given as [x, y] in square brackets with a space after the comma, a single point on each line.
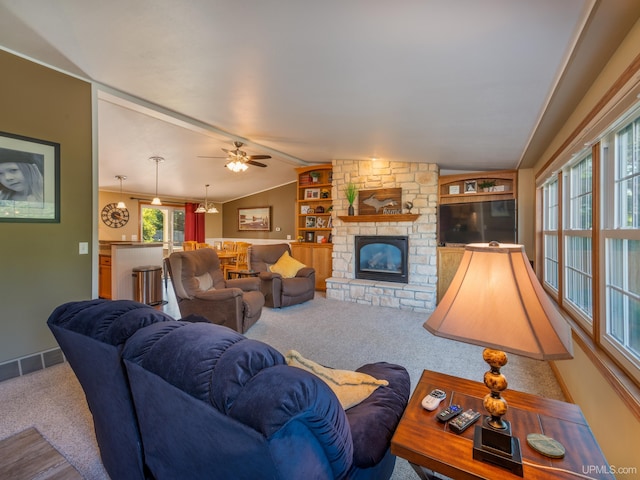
[464, 421]
[431, 401]
[449, 412]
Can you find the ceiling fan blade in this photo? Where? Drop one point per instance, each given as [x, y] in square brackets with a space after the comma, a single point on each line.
[205, 156]
[258, 157]
[256, 164]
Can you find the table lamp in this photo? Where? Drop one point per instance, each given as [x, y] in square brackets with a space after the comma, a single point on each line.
[496, 301]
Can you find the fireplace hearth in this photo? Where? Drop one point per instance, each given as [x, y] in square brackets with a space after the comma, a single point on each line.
[383, 258]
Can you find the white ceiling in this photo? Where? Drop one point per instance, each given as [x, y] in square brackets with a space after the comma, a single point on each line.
[466, 84]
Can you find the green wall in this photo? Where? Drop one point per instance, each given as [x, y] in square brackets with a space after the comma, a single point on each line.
[40, 267]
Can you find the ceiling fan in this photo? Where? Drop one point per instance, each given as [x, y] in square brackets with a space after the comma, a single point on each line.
[239, 160]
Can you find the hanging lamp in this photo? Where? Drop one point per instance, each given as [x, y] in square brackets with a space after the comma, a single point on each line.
[206, 207]
[156, 199]
[121, 205]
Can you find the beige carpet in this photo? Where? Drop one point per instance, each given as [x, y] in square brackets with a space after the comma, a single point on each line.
[28, 456]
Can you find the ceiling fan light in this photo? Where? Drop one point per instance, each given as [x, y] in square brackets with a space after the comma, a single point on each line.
[200, 209]
[237, 166]
[212, 209]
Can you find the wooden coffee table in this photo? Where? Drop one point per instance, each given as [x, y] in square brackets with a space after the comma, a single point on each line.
[429, 445]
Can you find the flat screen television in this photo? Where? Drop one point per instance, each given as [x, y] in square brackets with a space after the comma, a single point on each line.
[477, 222]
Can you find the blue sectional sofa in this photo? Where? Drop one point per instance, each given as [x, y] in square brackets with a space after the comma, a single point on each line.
[210, 403]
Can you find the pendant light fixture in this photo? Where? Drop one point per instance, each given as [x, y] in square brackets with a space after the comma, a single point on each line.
[156, 199]
[206, 207]
[121, 205]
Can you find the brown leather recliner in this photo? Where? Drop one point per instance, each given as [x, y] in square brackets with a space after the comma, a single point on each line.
[278, 291]
[201, 289]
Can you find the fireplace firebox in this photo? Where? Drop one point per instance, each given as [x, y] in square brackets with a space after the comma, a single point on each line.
[383, 258]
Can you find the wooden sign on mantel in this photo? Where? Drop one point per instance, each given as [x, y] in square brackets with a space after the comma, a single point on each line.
[383, 201]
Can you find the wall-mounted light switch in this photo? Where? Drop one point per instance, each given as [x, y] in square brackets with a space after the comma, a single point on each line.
[83, 248]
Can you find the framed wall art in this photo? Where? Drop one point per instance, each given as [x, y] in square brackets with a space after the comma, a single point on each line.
[254, 219]
[29, 179]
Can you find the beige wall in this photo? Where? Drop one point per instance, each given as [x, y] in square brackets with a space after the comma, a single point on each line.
[213, 221]
[282, 201]
[615, 427]
[39, 262]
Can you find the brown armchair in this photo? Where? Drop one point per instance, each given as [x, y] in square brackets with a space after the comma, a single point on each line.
[200, 289]
[278, 291]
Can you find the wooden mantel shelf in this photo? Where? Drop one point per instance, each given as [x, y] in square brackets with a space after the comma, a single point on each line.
[401, 217]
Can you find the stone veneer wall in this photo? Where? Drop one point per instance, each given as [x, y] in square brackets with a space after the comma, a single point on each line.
[419, 183]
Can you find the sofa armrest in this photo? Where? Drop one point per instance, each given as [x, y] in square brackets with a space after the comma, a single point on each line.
[268, 276]
[305, 272]
[374, 420]
[217, 295]
[245, 284]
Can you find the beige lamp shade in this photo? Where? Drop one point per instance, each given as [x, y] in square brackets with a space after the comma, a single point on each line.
[496, 301]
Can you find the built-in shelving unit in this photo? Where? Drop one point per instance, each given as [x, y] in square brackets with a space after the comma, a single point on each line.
[314, 206]
[314, 221]
[469, 187]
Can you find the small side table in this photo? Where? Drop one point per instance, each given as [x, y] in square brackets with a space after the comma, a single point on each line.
[241, 274]
[429, 445]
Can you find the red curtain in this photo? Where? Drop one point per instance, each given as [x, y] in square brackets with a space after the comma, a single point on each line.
[193, 223]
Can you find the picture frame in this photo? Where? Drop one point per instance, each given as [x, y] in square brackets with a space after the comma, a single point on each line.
[470, 186]
[310, 222]
[35, 197]
[454, 189]
[309, 236]
[254, 219]
[311, 193]
[304, 209]
[320, 239]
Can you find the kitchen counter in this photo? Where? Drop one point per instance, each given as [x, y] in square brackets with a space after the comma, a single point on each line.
[104, 246]
[125, 256]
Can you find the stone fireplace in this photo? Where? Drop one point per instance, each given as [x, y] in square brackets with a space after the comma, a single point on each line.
[419, 183]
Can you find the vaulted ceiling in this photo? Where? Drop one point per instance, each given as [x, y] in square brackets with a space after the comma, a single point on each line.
[466, 84]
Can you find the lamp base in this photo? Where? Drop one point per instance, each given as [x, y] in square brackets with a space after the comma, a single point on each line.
[498, 447]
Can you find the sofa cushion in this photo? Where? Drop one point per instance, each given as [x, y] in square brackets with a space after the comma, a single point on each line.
[351, 388]
[287, 266]
[287, 404]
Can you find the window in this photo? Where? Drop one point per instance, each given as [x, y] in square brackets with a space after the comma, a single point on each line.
[163, 224]
[577, 235]
[576, 269]
[621, 232]
[550, 234]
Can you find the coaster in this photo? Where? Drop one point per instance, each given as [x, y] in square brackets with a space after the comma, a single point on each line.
[547, 446]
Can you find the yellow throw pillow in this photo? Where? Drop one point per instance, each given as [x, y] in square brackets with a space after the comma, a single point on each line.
[287, 266]
[351, 388]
